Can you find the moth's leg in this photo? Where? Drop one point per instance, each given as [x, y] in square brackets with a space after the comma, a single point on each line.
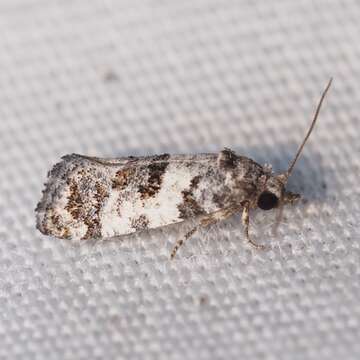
[205, 221]
[246, 222]
[181, 241]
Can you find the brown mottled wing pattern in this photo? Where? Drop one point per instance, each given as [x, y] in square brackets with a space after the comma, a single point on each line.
[90, 197]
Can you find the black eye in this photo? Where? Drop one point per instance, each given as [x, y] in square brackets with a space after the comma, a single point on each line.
[267, 201]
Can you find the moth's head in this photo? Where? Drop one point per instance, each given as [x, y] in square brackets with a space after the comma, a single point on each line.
[274, 194]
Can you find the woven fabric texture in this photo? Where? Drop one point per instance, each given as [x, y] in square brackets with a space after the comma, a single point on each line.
[114, 78]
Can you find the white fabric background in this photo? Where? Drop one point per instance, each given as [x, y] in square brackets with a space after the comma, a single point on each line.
[111, 78]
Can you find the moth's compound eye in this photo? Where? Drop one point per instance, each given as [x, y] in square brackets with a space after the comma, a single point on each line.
[267, 200]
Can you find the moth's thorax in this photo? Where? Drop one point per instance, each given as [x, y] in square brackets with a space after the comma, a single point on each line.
[244, 180]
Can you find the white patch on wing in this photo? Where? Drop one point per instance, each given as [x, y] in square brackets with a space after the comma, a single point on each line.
[78, 230]
[112, 223]
[160, 210]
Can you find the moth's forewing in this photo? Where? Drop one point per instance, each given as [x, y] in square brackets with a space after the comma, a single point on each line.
[91, 197]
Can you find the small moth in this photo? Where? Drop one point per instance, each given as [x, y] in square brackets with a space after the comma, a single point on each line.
[89, 197]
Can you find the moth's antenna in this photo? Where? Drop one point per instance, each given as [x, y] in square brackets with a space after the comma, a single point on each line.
[291, 167]
[285, 176]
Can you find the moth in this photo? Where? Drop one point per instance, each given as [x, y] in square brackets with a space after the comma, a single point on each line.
[89, 197]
